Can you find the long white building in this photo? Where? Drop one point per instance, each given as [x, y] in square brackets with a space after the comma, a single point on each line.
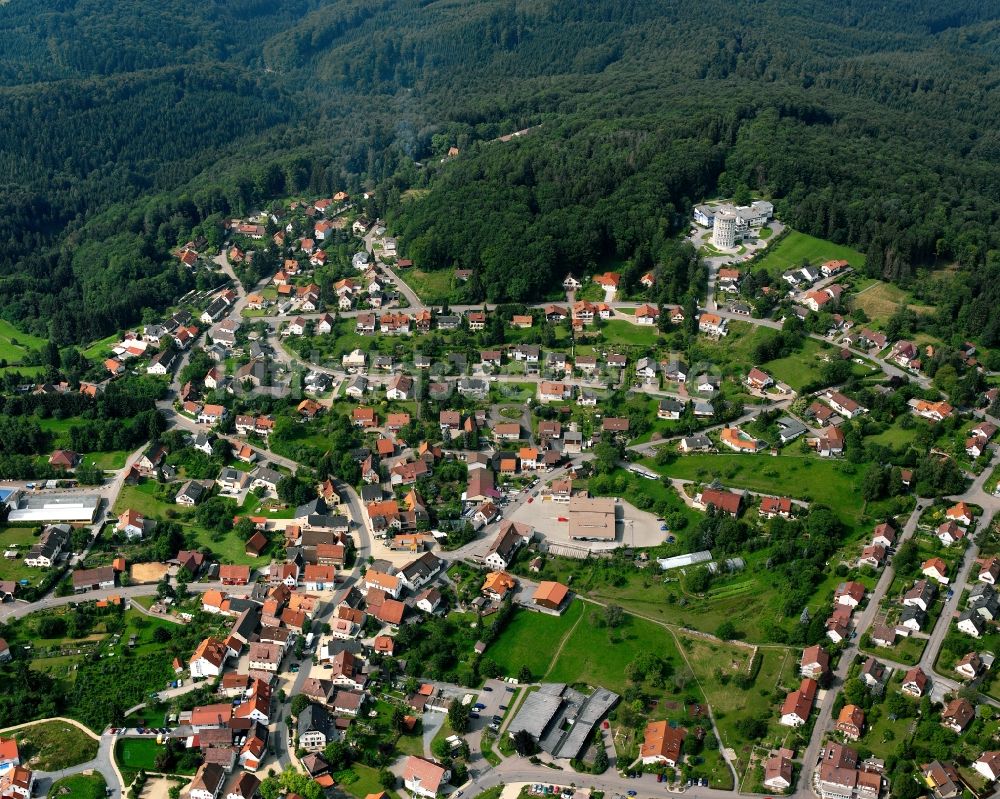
[75, 509]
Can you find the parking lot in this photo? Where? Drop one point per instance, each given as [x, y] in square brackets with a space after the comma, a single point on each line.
[494, 698]
[634, 527]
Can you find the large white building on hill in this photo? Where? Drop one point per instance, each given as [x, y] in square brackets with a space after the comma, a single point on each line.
[730, 223]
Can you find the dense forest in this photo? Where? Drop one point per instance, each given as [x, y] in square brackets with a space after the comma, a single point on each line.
[127, 125]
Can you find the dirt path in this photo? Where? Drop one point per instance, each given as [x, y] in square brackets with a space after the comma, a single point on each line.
[562, 645]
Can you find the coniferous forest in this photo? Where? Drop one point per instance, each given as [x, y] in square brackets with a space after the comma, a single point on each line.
[124, 126]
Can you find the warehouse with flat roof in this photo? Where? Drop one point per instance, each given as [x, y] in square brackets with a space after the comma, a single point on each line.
[593, 518]
[561, 718]
[71, 509]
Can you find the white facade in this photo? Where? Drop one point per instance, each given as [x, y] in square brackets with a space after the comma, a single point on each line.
[724, 231]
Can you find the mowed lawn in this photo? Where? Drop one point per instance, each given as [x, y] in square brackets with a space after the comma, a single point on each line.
[361, 781]
[599, 655]
[803, 477]
[748, 599]
[799, 368]
[14, 344]
[531, 639]
[618, 331]
[806, 365]
[797, 247]
[572, 649]
[137, 753]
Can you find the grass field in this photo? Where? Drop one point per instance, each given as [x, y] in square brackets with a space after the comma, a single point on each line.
[99, 350]
[55, 745]
[799, 368]
[572, 649]
[599, 656]
[734, 352]
[748, 599]
[896, 436]
[360, 780]
[596, 655]
[24, 371]
[531, 639]
[716, 664]
[806, 365]
[14, 344]
[880, 301]
[59, 426]
[432, 287]
[796, 248]
[79, 786]
[618, 331]
[147, 498]
[108, 460]
[135, 754]
[15, 568]
[803, 477]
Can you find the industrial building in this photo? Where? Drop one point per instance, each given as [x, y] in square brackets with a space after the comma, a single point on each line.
[592, 518]
[561, 718]
[76, 509]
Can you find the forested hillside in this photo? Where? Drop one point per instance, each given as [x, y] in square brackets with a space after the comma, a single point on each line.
[125, 125]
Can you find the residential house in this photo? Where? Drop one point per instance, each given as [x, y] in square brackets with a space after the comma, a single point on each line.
[662, 744]
[936, 569]
[851, 722]
[724, 501]
[712, 324]
[131, 524]
[957, 715]
[921, 595]
[759, 380]
[970, 666]
[208, 659]
[207, 782]
[815, 662]
[424, 778]
[508, 541]
[988, 765]
[971, 623]
[942, 778]
[315, 728]
[914, 682]
[776, 506]
[778, 772]
[844, 405]
[798, 704]
[850, 594]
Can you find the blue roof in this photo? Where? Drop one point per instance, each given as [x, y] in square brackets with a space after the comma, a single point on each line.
[5, 493]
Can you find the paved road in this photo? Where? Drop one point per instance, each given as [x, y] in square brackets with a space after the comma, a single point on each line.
[750, 413]
[862, 621]
[102, 763]
[19, 609]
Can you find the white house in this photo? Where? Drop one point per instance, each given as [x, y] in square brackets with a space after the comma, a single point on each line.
[988, 765]
[424, 778]
[209, 658]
